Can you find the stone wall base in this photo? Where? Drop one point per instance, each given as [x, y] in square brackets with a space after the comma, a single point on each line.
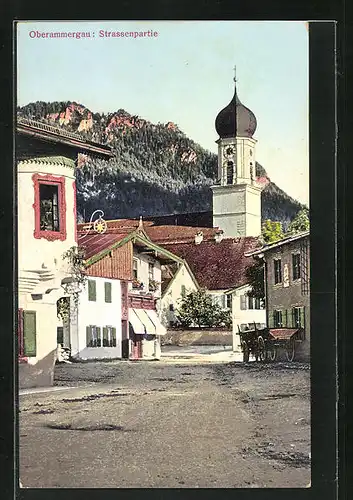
[39, 375]
[197, 336]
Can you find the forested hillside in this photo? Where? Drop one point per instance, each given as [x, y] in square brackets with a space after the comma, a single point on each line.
[157, 169]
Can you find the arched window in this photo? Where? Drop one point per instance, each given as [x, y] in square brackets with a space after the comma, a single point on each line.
[251, 171]
[230, 172]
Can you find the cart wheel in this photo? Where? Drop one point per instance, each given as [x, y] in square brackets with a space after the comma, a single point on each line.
[290, 350]
[261, 348]
[245, 349]
[272, 353]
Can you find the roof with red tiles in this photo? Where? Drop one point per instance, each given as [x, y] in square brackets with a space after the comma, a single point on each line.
[94, 243]
[217, 266]
[179, 234]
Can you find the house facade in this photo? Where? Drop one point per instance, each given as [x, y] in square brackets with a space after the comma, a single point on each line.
[119, 314]
[245, 312]
[46, 227]
[175, 285]
[287, 286]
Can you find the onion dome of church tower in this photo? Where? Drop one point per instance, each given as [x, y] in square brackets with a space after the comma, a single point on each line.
[235, 120]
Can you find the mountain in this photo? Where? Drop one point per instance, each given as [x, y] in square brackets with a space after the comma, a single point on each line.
[157, 169]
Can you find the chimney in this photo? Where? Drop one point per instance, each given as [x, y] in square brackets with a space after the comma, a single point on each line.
[218, 236]
[198, 237]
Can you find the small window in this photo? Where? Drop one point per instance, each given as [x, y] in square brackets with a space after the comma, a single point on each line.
[92, 294]
[60, 335]
[229, 301]
[277, 263]
[296, 266]
[134, 269]
[93, 336]
[150, 271]
[251, 303]
[109, 336]
[171, 307]
[49, 207]
[277, 319]
[107, 291]
[183, 290]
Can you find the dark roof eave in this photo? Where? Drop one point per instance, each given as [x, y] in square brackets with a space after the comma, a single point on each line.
[280, 243]
[78, 144]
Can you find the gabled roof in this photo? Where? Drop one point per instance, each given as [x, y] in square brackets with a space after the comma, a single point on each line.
[217, 266]
[98, 245]
[276, 244]
[95, 243]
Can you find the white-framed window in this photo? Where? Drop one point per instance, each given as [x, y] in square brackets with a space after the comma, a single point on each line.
[150, 271]
[93, 336]
[109, 336]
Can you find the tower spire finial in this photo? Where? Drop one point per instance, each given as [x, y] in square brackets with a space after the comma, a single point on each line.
[235, 74]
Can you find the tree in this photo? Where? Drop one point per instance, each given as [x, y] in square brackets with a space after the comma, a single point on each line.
[198, 309]
[255, 274]
[300, 223]
[272, 231]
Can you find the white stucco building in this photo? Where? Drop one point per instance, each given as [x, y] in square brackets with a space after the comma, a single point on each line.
[176, 285]
[46, 228]
[120, 310]
[245, 312]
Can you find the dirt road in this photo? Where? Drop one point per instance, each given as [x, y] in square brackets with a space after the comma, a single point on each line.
[169, 425]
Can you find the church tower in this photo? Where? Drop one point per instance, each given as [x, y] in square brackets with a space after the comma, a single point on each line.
[237, 198]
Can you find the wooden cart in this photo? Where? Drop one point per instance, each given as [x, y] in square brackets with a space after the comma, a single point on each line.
[254, 342]
[286, 339]
[264, 343]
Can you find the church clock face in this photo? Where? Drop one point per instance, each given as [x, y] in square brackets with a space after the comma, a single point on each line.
[229, 151]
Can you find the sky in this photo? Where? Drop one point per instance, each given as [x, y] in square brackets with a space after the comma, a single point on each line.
[184, 74]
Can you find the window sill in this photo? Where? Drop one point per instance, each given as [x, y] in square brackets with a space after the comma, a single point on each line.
[50, 235]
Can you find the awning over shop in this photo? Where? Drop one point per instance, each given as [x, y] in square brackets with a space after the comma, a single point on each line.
[136, 322]
[159, 328]
[146, 321]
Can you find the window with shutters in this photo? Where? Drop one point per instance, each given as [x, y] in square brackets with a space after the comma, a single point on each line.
[27, 333]
[108, 291]
[277, 268]
[92, 293]
[296, 266]
[277, 319]
[109, 336]
[93, 336]
[298, 317]
[254, 303]
[243, 302]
